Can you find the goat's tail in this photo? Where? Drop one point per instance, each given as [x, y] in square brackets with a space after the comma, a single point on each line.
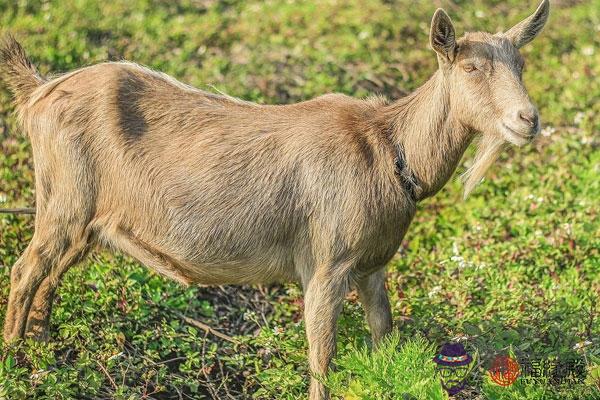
[21, 76]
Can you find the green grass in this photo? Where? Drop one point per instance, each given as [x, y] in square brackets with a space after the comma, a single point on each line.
[515, 268]
[392, 371]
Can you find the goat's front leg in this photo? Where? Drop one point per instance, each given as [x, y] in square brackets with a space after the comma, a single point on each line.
[324, 294]
[374, 298]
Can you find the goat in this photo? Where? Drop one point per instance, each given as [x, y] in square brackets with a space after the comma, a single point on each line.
[208, 189]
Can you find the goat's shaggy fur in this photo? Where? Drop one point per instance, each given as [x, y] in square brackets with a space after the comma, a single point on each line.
[205, 188]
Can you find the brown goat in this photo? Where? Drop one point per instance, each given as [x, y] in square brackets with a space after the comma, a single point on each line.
[209, 189]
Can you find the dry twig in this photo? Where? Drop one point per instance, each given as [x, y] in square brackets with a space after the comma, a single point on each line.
[209, 329]
[30, 211]
[112, 381]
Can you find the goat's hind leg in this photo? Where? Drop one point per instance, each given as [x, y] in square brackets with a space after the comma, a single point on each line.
[61, 238]
[65, 200]
[70, 243]
[41, 308]
[57, 244]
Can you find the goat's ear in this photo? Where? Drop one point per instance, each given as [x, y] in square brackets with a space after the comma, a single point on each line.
[526, 30]
[442, 37]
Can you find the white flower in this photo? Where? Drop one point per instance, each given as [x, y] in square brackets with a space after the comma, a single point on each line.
[579, 118]
[249, 316]
[588, 51]
[581, 345]
[547, 131]
[435, 290]
[461, 261]
[587, 140]
[277, 330]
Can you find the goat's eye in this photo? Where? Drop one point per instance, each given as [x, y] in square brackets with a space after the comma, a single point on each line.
[469, 68]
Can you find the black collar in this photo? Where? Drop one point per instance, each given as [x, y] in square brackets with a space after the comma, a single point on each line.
[407, 178]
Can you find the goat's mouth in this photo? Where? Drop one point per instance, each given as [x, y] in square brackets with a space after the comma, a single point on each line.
[516, 137]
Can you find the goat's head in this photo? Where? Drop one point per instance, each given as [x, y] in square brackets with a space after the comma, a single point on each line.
[484, 75]
[483, 72]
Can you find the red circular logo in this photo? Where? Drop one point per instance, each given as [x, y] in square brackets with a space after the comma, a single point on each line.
[504, 370]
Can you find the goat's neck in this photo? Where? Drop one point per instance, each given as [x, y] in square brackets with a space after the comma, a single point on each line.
[425, 126]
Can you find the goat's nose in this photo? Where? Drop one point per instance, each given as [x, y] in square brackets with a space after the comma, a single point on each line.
[529, 116]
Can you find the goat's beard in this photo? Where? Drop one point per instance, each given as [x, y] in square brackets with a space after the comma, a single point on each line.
[489, 148]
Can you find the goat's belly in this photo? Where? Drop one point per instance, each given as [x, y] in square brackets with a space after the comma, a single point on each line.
[202, 259]
[241, 273]
[261, 265]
